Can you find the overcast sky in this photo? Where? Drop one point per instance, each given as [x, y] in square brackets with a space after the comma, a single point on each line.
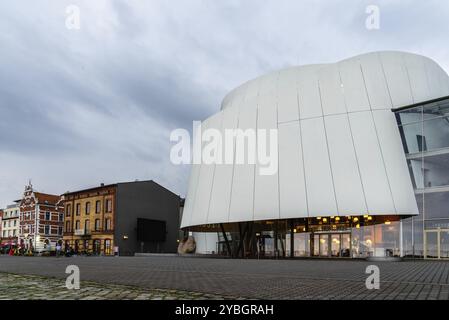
[81, 107]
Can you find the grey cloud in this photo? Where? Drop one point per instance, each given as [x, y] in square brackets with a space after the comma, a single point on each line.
[97, 105]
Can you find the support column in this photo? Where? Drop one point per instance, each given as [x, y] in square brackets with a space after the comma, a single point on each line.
[401, 240]
[276, 249]
[292, 239]
[226, 240]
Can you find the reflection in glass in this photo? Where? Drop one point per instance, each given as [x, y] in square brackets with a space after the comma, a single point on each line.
[436, 109]
[436, 133]
[413, 135]
[387, 239]
[355, 239]
[367, 243]
[335, 245]
[345, 245]
[407, 237]
[434, 224]
[436, 205]
[436, 170]
[431, 245]
[316, 245]
[444, 244]
[268, 246]
[410, 115]
[302, 244]
[324, 245]
[416, 172]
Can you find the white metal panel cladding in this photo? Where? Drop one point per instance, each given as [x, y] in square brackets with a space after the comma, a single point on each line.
[191, 191]
[242, 193]
[292, 186]
[287, 96]
[397, 79]
[319, 183]
[266, 188]
[206, 177]
[345, 171]
[221, 189]
[331, 92]
[374, 80]
[390, 143]
[348, 161]
[354, 90]
[437, 88]
[418, 79]
[309, 93]
[372, 168]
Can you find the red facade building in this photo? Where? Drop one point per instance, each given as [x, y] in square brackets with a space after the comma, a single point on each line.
[41, 220]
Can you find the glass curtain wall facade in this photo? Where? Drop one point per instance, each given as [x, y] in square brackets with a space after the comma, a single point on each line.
[336, 237]
[425, 135]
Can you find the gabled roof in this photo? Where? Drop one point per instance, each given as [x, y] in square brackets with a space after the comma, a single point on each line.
[44, 198]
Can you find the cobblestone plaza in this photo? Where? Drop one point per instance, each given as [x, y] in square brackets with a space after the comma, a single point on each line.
[171, 277]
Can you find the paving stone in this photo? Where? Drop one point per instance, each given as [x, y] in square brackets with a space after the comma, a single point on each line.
[206, 278]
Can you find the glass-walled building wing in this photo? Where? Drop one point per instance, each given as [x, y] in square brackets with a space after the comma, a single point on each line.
[425, 135]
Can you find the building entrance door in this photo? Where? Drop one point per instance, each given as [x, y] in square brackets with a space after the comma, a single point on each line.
[335, 245]
[436, 244]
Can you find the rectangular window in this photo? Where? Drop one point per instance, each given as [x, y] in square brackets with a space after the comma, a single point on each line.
[77, 224]
[97, 224]
[98, 206]
[108, 205]
[47, 229]
[68, 226]
[68, 210]
[87, 207]
[60, 231]
[107, 226]
[47, 216]
[61, 217]
[78, 209]
[107, 246]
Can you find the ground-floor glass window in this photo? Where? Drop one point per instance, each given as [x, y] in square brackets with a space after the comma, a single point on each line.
[107, 246]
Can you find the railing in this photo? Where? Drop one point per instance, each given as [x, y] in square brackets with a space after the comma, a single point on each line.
[100, 231]
[81, 232]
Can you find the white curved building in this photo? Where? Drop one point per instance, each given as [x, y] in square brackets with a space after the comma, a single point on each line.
[343, 184]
